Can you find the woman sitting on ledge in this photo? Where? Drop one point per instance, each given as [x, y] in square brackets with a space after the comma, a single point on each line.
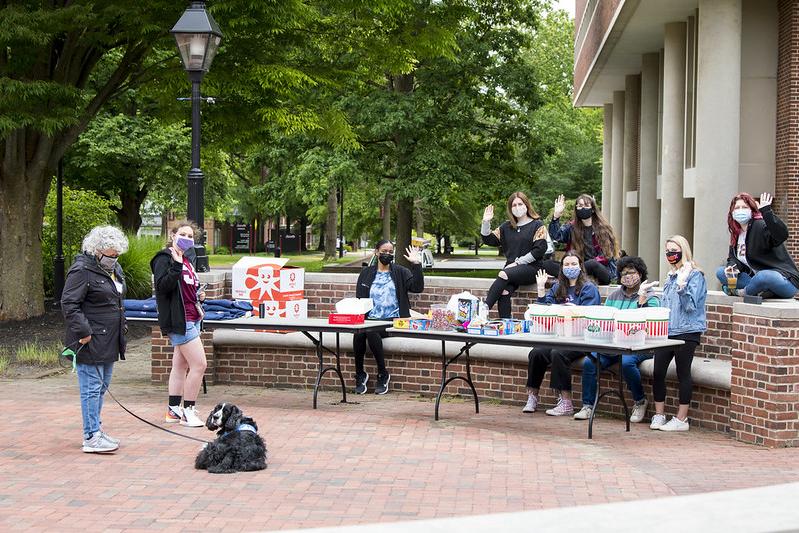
[757, 251]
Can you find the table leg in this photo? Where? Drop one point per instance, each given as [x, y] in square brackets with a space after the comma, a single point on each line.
[338, 368]
[618, 392]
[446, 381]
[596, 398]
[319, 371]
[444, 366]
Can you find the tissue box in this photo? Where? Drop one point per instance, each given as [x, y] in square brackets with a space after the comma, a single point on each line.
[341, 318]
[354, 306]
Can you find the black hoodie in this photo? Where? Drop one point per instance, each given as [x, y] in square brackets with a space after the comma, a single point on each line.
[166, 280]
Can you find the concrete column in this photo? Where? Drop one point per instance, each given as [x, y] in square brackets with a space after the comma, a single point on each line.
[617, 163]
[632, 102]
[607, 149]
[718, 122]
[676, 213]
[648, 204]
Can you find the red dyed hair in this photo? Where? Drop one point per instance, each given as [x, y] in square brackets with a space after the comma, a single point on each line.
[732, 225]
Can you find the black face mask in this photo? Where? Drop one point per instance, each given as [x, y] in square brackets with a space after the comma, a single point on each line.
[673, 257]
[584, 212]
[386, 259]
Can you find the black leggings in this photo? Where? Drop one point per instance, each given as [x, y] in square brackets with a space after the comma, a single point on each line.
[517, 276]
[375, 339]
[684, 358]
[560, 361]
[593, 268]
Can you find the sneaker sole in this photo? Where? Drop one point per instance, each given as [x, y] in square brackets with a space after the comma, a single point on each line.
[171, 420]
[528, 411]
[95, 450]
[187, 425]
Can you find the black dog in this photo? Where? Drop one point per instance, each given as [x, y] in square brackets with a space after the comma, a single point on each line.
[237, 447]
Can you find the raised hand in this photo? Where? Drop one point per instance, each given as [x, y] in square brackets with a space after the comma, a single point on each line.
[488, 214]
[177, 253]
[541, 279]
[413, 255]
[765, 199]
[646, 285]
[560, 205]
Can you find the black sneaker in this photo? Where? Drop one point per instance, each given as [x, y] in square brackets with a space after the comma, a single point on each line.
[360, 385]
[382, 384]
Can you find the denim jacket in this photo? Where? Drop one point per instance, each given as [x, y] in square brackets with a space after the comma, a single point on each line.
[687, 305]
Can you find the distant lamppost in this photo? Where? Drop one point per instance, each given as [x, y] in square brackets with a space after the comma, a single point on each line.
[197, 36]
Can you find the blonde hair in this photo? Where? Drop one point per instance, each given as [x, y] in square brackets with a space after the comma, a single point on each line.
[176, 225]
[687, 255]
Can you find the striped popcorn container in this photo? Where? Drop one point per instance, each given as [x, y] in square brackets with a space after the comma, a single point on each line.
[657, 322]
[542, 319]
[599, 323]
[630, 332]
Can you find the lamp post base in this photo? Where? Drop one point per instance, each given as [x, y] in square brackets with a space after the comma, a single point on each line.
[201, 263]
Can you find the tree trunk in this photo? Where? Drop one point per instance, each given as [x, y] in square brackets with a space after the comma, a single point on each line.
[404, 226]
[22, 199]
[387, 216]
[331, 224]
[418, 217]
[129, 215]
[303, 231]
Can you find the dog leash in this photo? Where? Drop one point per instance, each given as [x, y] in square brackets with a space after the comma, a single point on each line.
[74, 356]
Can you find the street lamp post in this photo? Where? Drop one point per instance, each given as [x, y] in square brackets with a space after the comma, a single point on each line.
[197, 36]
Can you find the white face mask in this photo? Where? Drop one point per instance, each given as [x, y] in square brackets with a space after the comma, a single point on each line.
[518, 211]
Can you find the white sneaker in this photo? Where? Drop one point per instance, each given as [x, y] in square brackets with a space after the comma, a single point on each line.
[563, 408]
[97, 444]
[675, 424]
[639, 411]
[190, 418]
[531, 405]
[657, 421]
[584, 413]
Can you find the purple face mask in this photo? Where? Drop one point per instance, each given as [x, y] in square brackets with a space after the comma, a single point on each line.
[184, 243]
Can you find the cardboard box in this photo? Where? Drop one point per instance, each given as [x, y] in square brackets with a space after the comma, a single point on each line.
[418, 324]
[281, 309]
[267, 279]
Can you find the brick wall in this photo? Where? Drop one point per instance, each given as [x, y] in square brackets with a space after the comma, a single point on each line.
[765, 378]
[787, 142]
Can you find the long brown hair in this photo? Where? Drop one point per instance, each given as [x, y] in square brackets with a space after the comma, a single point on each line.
[732, 225]
[563, 282]
[176, 225]
[602, 229]
[530, 211]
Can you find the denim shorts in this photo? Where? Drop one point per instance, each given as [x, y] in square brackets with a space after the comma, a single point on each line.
[192, 332]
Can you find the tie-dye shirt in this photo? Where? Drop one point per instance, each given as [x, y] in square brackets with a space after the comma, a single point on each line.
[384, 297]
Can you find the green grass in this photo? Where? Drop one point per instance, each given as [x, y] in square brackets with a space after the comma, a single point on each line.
[4, 360]
[310, 261]
[135, 264]
[35, 353]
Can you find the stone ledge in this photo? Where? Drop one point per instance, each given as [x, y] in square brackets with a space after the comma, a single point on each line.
[785, 309]
[706, 372]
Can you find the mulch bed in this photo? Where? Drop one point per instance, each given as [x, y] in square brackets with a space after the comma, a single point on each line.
[46, 330]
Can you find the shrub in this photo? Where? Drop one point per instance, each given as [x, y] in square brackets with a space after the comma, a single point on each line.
[222, 250]
[135, 264]
[3, 363]
[82, 211]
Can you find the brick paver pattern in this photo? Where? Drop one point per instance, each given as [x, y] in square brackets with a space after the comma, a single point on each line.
[383, 458]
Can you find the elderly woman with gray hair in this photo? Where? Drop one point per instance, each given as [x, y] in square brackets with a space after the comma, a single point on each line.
[95, 325]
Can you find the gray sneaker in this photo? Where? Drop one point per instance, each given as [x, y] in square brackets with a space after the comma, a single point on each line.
[584, 413]
[109, 438]
[97, 444]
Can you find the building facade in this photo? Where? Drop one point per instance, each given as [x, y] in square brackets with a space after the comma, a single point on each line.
[701, 101]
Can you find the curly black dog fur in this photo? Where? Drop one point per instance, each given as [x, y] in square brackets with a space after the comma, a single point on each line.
[234, 449]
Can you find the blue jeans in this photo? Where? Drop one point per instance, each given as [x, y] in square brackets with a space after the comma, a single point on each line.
[629, 369]
[91, 380]
[764, 280]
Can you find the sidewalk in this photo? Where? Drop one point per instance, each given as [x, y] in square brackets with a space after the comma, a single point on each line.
[383, 459]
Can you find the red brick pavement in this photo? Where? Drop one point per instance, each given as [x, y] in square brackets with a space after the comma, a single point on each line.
[382, 459]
